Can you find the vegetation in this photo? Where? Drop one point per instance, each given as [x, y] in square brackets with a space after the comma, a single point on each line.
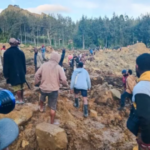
[60, 31]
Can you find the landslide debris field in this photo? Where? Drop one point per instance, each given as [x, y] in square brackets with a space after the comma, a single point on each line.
[104, 129]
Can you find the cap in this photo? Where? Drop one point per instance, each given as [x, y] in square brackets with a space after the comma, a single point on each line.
[124, 71]
[13, 41]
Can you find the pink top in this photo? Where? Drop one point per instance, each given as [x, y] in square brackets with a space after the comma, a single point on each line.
[69, 58]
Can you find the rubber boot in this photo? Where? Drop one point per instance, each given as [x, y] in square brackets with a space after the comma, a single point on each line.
[76, 103]
[85, 110]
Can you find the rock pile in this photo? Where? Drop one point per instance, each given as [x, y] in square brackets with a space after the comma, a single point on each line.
[105, 128]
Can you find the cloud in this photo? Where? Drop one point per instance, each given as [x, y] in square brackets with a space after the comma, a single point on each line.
[128, 7]
[140, 8]
[85, 4]
[47, 8]
[1, 10]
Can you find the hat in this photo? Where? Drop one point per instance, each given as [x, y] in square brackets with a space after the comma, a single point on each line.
[124, 71]
[8, 132]
[13, 41]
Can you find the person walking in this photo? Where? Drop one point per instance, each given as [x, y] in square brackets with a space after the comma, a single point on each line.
[2, 54]
[62, 57]
[130, 83]
[124, 78]
[43, 50]
[69, 59]
[74, 62]
[15, 69]
[80, 82]
[38, 59]
[49, 76]
[139, 120]
[91, 52]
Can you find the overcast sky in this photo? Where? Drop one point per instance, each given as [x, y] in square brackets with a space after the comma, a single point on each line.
[77, 8]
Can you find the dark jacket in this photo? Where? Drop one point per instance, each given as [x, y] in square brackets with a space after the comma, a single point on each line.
[14, 66]
[62, 58]
[74, 60]
[35, 59]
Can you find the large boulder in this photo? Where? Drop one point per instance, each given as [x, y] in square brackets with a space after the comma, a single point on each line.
[116, 94]
[51, 137]
[20, 116]
[95, 80]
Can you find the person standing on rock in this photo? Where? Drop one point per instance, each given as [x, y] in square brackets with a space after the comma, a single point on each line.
[62, 57]
[83, 59]
[124, 78]
[38, 59]
[139, 120]
[130, 84]
[49, 76]
[69, 59]
[15, 69]
[80, 82]
[43, 50]
[2, 54]
[74, 62]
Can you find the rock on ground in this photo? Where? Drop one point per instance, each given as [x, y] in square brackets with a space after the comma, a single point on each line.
[93, 113]
[20, 117]
[116, 93]
[51, 137]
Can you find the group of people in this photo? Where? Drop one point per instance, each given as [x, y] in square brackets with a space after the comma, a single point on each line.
[50, 75]
[73, 60]
[129, 82]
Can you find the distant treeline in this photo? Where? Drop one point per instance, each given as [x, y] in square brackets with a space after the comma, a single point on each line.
[60, 31]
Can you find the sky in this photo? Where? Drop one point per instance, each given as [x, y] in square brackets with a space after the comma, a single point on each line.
[76, 8]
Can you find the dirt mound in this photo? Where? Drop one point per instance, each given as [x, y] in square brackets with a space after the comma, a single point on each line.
[116, 60]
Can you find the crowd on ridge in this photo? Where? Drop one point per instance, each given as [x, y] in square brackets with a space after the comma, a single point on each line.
[50, 74]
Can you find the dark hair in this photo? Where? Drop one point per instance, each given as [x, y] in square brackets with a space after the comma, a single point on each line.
[4, 46]
[130, 71]
[80, 65]
[143, 62]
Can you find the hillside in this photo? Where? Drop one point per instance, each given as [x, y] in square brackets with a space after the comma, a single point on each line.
[16, 9]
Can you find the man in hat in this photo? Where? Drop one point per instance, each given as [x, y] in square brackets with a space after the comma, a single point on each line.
[15, 69]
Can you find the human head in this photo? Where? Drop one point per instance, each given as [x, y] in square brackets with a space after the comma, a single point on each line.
[42, 46]
[142, 64]
[13, 42]
[80, 65]
[35, 50]
[63, 50]
[4, 47]
[124, 72]
[55, 57]
[129, 72]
